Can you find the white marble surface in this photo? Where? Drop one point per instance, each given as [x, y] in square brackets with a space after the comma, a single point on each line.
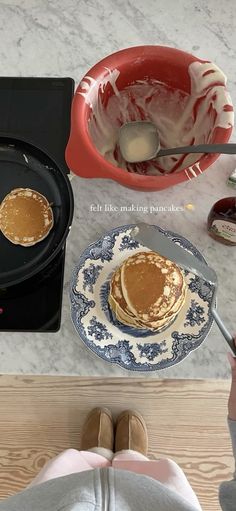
[46, 38]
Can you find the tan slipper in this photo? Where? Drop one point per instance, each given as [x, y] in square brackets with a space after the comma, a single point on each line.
[131, 432]
[98, 430]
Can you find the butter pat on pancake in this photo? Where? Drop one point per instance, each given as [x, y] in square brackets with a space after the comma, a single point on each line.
[26, 217]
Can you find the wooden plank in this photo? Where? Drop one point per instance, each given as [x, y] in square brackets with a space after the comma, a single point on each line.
[186, 419]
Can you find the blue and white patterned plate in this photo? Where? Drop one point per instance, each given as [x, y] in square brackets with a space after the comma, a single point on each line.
[131, 348]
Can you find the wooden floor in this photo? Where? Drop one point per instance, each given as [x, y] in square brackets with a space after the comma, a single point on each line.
[186, 419]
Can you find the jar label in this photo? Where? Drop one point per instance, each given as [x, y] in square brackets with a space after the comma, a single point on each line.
[223, 229]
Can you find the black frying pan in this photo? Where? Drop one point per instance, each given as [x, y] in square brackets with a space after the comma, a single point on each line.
[25, 166]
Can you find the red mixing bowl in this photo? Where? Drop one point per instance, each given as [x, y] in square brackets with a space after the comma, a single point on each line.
[168, 65]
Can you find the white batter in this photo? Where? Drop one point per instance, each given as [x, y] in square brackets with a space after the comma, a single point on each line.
[181, 119]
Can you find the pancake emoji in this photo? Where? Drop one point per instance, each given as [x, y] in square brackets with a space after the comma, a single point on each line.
[147, 291]
[26, 217]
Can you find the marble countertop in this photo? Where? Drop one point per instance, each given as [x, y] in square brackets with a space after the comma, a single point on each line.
[42, 38]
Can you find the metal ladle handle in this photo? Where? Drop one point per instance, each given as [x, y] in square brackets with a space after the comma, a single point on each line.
[202, 148]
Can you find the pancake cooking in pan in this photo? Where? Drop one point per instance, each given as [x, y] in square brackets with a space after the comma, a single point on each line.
[26, 217]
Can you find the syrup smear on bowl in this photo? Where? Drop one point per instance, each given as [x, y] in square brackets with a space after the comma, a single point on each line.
[181, 118]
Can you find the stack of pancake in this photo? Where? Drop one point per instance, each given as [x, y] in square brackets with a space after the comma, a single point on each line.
[26, 217]
[147, 291]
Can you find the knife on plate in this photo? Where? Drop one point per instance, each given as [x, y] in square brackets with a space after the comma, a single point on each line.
[151, 237]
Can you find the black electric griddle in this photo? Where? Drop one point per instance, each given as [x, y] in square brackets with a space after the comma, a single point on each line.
[35, 120]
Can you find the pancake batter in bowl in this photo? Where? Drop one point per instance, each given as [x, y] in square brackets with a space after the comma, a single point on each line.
[181, 118]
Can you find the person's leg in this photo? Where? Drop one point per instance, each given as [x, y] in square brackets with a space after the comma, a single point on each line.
[128, 455]
[166, 471]
[68, 462]
[103, 451]
[96, 449]
[171, 475]
[131, 445]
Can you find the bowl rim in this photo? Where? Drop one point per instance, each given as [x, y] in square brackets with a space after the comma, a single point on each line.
[105, 169]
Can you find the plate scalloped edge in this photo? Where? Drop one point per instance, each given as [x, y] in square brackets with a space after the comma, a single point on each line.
[122, 352]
